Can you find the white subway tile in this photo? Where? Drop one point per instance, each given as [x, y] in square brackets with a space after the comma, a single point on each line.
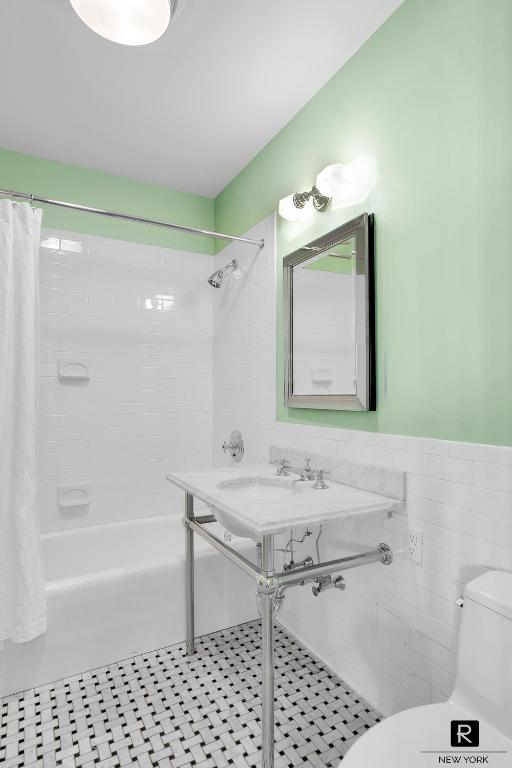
[434, 629]
[458, 470]
[497, 477]
[476, 550]
[393, 636]
[149, 367]
[470, 451]
[437, 654]
[435, 676]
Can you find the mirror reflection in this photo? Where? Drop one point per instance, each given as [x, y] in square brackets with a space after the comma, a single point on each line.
[330, 313]
[324, 349]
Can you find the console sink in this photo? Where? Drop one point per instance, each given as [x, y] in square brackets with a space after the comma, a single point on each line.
[253, 501]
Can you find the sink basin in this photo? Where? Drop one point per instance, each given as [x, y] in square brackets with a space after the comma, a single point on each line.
[259, 488]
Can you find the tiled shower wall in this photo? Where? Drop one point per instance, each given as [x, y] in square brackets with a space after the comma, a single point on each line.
[392, 634]
[139, 318]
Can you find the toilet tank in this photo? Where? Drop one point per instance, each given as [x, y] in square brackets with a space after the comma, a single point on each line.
[483, 685]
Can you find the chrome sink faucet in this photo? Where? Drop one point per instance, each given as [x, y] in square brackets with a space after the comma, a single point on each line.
[284, 468]
[307, 473]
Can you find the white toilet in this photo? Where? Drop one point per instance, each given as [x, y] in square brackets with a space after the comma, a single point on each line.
[483, 692]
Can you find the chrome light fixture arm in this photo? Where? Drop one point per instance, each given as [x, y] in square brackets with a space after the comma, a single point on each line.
[320, 202]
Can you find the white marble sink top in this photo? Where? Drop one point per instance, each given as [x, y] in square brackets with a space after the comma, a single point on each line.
[251, 501]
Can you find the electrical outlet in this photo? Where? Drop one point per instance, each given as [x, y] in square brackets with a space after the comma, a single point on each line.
[415, 545]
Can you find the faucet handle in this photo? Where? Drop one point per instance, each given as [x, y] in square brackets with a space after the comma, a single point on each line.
[235, 445]
[320, 474]
[309, 472]
[282, 466]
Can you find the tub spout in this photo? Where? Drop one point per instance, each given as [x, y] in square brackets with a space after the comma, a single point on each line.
[327, 582]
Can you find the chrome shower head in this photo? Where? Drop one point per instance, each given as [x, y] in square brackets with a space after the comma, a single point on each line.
[216, 279]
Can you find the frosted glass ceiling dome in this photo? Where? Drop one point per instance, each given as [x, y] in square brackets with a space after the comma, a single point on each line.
[128, 22]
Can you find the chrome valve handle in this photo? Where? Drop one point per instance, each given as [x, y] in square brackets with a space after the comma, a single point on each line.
[320, 474]
[309, 472]
[235, 446]
[282, 466]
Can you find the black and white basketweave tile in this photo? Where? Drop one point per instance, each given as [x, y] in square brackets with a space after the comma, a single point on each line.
[168, 710]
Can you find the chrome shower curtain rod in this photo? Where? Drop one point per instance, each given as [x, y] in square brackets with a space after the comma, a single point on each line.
[127, 217]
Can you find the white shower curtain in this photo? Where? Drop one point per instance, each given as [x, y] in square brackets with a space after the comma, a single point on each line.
[22, 602]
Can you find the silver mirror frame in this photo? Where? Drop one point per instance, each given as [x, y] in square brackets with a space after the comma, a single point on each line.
[362, 228]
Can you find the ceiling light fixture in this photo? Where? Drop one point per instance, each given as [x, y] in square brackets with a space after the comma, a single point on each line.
[128, 22]
[337, 185]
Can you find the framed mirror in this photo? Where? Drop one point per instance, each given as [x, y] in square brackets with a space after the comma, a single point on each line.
[330, 320]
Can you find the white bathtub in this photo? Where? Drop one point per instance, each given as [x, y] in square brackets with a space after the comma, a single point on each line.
[117, 590]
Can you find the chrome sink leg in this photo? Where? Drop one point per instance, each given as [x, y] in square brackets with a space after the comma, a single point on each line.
[267, 589]
[189, 574]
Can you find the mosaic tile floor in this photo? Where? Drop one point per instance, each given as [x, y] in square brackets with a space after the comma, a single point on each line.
[164, 709]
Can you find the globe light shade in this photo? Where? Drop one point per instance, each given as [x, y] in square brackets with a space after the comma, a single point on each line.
[348, 184]
[289, 211]
[128, 22]
[335, 180]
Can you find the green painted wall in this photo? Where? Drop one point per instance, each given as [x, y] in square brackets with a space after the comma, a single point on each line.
[46, 178]
[429, 97]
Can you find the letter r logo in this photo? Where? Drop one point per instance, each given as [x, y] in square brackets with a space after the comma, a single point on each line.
[465, 733]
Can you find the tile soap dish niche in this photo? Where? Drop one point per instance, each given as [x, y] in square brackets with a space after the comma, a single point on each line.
[73, 370]
[322, 375]
[74, 497]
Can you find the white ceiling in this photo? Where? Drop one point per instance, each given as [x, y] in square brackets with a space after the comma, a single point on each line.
[189, 111]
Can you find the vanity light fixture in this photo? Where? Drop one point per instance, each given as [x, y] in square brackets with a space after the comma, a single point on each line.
[338, 185]
[128, 22]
